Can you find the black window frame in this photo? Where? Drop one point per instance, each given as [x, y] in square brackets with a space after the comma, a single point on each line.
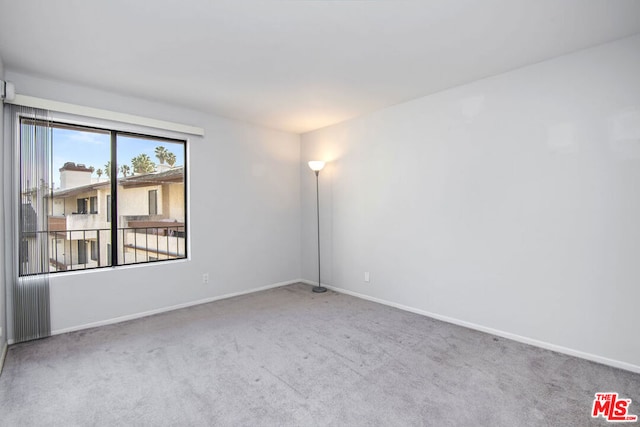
[112, 200]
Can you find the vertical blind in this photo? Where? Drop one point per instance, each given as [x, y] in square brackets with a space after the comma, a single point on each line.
[30, 151]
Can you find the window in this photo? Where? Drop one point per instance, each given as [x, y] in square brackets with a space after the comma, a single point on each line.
[151, 199]
[94, 250]
[82, 252]
[24, 251]
[82, 206]
[144, 174]
[153, 202]
[108, 208]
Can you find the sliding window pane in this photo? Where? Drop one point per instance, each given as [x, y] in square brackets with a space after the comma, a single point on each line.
[63, 207]
[151, 199]
[78, 220]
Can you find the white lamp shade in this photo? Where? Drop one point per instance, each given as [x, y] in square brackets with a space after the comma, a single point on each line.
[316, 165]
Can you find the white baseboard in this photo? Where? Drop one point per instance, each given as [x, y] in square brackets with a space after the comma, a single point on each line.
[3, 355]
[542, 344]
[170, 308]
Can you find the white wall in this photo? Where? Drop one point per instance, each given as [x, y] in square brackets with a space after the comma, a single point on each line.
[3, 318]
[244, 216]
[512, 203]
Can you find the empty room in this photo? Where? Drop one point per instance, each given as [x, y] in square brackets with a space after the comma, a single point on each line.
[309, 213]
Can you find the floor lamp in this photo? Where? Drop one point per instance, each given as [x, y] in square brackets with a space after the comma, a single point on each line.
[316, 166]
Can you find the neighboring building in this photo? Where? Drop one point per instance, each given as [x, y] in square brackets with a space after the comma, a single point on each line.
[150, 220]
[72, 175]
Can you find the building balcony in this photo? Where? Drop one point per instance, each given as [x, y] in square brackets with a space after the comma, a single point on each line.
[85, 249]
[77, 226]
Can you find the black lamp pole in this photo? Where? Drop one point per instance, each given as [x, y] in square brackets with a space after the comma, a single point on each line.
[319, 288]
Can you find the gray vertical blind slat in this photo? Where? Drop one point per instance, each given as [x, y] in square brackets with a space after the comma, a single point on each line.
[31, 146]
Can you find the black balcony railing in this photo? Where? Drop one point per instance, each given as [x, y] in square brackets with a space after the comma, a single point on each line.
[152, 243]
[91, 248]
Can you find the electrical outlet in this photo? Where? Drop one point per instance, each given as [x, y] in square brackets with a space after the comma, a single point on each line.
[205, 278]
[366, 276]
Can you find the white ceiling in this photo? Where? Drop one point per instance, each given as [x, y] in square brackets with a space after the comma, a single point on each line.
[296, 65]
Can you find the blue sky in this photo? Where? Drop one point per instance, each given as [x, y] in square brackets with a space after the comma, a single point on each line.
[93, 149]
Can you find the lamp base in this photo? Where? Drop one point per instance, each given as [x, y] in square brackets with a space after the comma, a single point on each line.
[319, 289]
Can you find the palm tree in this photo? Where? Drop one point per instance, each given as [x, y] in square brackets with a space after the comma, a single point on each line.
[161, 154]
[107, 169]
[99, 173]
[143, 164]
[171, 159]
[125, 169]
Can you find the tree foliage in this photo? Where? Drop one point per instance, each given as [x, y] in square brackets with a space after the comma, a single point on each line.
[143, 164]
[171, 159]
[161, 154]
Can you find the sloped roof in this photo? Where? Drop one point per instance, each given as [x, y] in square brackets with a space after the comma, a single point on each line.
[167, 177]
[170, 176]
[79, 190]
